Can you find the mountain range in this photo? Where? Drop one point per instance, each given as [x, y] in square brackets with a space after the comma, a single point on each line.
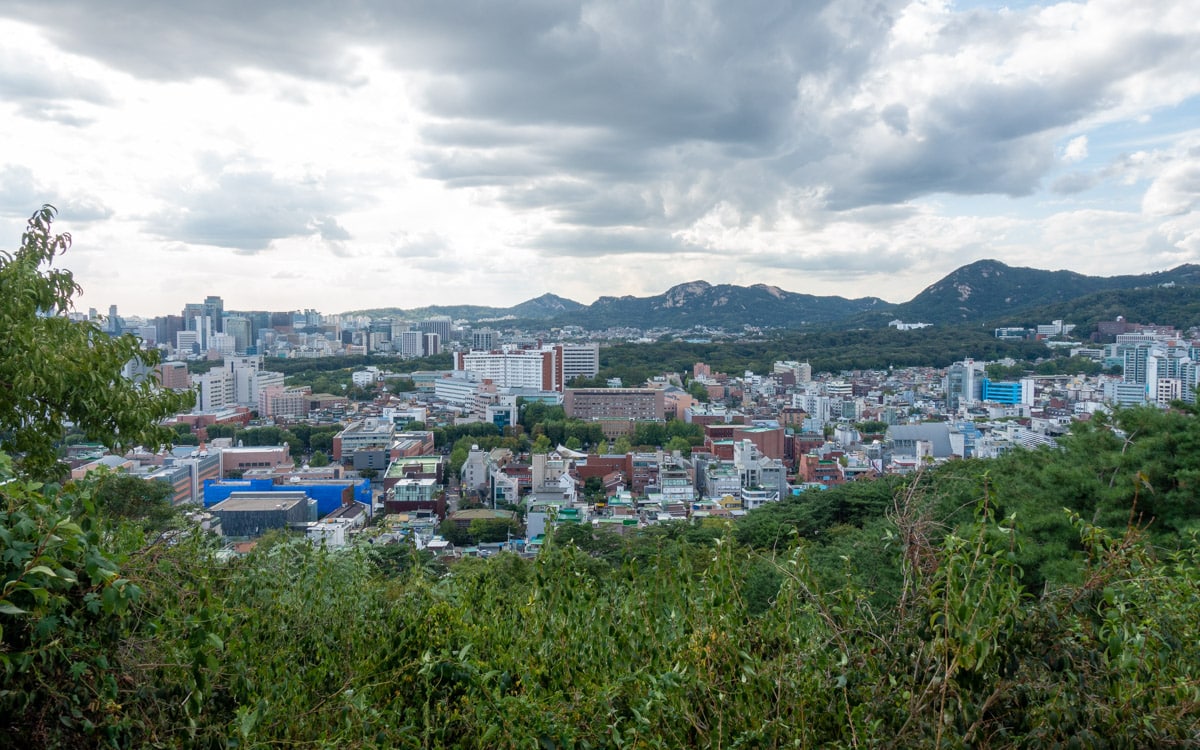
[986, 291]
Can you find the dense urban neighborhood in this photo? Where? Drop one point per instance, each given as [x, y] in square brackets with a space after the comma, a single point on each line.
[520, 433]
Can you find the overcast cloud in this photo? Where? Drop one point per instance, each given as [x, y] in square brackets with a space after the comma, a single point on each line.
[349, 155]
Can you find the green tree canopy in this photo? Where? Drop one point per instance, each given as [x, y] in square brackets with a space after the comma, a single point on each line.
[55, 370]
[319, 459]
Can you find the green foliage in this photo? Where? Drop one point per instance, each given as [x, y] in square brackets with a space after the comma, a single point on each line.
[318, 459]
[62, 606]
[453, 533]
[826, 350]
[490, 530]
[872, 427]
[121, 497]
[54, 370]
[452, 434]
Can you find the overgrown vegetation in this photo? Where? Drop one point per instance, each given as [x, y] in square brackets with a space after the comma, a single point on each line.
[1049, 598]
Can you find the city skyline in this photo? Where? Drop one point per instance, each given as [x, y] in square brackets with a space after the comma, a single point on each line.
[287, 156]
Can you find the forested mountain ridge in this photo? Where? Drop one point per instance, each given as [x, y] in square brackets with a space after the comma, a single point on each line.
[989, 289]
[545, 307]
[975, 293]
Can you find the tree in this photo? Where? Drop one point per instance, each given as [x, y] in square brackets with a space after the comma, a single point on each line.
[593, 489]
[126, 497]
[55, 370]
[680, 444]
[321, 441]
[453, 533]
[872, 427]
[490, 530]
[698, 391]
[319, 459]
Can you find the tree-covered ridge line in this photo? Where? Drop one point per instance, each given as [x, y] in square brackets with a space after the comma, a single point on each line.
[993, 290]
[1047, 598]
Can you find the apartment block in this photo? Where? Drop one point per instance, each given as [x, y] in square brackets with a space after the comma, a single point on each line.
[598, 404]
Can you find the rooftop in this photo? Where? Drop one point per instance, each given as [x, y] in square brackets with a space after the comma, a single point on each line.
[261, 501]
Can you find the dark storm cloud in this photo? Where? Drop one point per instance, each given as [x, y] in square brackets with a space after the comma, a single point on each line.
[181, 41]
[246, 211]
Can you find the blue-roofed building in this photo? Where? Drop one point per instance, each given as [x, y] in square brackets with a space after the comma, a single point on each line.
[329, 494]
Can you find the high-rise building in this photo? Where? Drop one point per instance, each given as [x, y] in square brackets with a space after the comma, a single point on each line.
[432, 344]
[215, 390]
[963, 385]
[483, 340]
[547, 368]
[439, 324]
[514, 368]
[577, 361]
[1136, 363]
[409, 344]
[238, 328]
[214, 308]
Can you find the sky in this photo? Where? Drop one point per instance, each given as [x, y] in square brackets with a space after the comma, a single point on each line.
[368, 153]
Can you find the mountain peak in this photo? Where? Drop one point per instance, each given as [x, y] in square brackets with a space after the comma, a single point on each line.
[680, 294]
[774, 291]
[690, 287]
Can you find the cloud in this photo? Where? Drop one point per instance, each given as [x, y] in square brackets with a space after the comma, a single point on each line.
[1176, 191]
[1075, 182]
[413, 245]
[813, 135]
[643, 100]
[21, 193]
[248, 210]
[592, 243]
[1076, 149]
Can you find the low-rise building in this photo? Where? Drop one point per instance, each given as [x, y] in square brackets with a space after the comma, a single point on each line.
[252, 514]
